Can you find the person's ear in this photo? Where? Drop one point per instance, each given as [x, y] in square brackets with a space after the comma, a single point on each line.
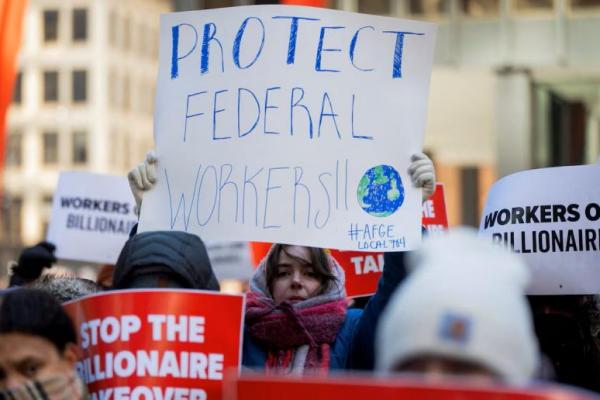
[72, 353]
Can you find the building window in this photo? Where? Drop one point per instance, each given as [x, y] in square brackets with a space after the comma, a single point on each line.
[585, 4]
[12, 207]
[141, 40]
[80, 147]
[79, 89]
[50, 86]
[533, 5]
[380, 7]
[481, 8]
[217, 3]
[126, 33]
[113, 23]
[80, 24]
[50, 25]
[14, 149]
[50, 147]
[126, 93]
[428, 8]
[17, 90]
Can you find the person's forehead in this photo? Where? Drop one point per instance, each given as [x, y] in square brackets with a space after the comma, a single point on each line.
[297, 252]
[16, 346]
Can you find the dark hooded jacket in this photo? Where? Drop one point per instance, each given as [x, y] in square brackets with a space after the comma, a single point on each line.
[167, 259]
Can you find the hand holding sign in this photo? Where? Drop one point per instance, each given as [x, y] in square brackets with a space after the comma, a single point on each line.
[142, 178]
[422, 174]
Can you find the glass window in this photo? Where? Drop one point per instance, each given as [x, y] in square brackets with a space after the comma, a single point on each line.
[17, 90]
[47, 199]
[381, 7]
[126, 33]
[126, 93]
[14, 149]
[218, 3]
[50, 147]
[80, 151]
[428, 8]
[79, 90]
[126, 150]
[112, 28]
[113, 86]
[50, 86]
[141, 40]
[50, 25]
[481, 8]
[584, 4]
[80, 24]
[14, 208]
[533, 5]
[154, 43]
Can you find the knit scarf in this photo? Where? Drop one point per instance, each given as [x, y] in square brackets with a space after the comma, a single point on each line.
[297, 336]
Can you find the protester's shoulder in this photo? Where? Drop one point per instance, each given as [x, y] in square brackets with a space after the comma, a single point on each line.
[353, 314]
[352, 317]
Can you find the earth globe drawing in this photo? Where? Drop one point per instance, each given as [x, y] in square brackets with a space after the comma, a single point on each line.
[380, 191]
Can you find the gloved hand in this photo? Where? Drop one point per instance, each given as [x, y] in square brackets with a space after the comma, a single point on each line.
[31, 263]
[422, 174]
[142, 178]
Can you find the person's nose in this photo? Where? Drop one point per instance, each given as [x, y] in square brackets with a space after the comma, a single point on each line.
[13, 380]
[297, 279]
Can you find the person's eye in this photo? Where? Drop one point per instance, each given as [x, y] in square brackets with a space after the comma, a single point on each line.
[30, 369]
[282, 273]
[311, 273]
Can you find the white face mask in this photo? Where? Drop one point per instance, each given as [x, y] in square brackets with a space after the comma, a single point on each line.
[55, 387]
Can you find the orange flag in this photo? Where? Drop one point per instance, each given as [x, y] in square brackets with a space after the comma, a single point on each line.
[11, 22]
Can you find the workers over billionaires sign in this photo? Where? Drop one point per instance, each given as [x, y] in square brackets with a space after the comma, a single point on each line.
[157, 344]
[92, 216]
[290, 124]
[551, 217]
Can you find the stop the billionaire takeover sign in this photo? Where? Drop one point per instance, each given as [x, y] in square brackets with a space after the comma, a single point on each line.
[551, 217]
[290, 124]
[157, 344]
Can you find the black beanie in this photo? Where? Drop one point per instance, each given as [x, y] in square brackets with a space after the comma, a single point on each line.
[178, 259]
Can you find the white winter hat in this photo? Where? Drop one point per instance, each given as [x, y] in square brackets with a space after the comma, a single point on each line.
[464, 300]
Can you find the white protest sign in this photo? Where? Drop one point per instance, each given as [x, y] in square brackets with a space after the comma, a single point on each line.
[92, 216]
[292, 125]
[230, 260]
[551, 217]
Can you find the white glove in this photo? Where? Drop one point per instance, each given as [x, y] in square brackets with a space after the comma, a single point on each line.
[142, 178]
[422, 174]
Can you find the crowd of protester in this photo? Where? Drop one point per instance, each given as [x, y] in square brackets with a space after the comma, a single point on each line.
[454, 308]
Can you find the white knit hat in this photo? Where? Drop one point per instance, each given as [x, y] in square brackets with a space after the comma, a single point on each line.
[464, 300]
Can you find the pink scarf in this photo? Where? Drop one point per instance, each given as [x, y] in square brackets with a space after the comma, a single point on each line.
[297, 336]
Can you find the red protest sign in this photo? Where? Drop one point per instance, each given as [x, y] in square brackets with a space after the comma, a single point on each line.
[157, 344]
[363, 269]
[353, 387]
[435, 218]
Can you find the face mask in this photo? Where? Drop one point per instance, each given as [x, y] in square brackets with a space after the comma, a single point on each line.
[56, 387]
